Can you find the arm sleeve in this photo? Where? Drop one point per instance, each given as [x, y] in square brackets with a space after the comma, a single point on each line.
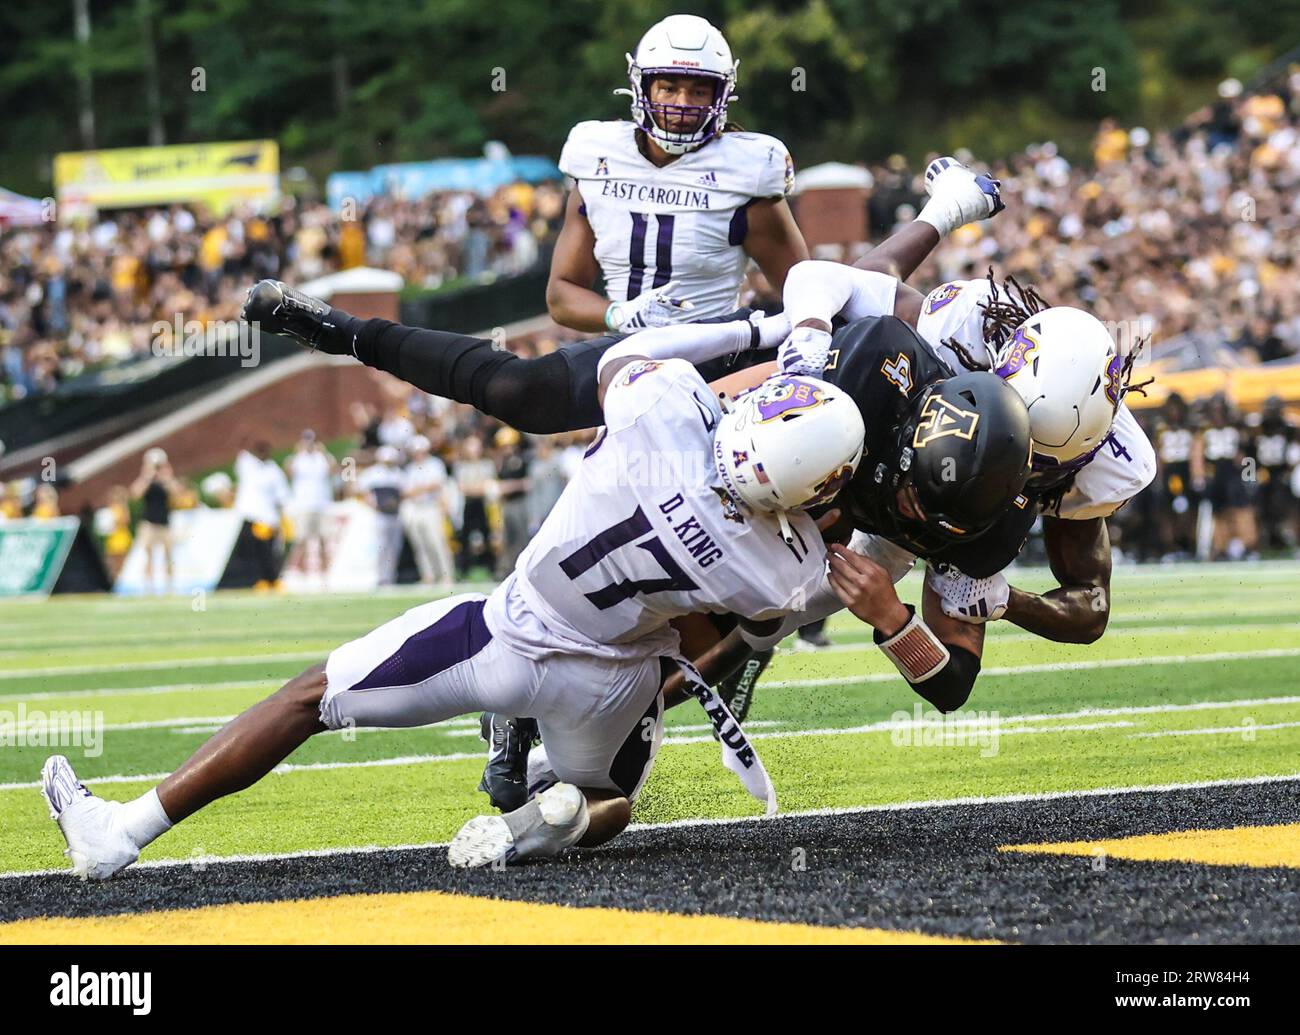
[823, 290]
[694, 342]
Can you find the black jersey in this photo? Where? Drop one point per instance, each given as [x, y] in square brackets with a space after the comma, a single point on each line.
[885, 365]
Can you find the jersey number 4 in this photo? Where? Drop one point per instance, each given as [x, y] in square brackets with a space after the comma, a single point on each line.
[618, 535]
[637, 250]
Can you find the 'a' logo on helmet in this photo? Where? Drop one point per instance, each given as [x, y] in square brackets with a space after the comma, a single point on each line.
[940, 418]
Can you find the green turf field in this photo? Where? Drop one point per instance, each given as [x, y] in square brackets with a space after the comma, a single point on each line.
[1195, 680]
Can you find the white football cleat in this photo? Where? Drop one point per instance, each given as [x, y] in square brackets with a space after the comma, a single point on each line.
[97, 844]
[553, 821]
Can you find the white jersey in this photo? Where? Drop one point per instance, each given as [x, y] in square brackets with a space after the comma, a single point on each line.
[1125, 464]
[644, 534]
[685, 221]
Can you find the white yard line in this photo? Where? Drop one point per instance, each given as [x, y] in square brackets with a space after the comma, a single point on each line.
[852, 810]
[870, 677]
[283, 768]
[1005, 726]
[34, 727]
[178, 663]
[866, 644]
[1205, 731]
[122, 691]
[1060, 666]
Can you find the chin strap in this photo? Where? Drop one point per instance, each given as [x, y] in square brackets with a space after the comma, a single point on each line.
[786, 533]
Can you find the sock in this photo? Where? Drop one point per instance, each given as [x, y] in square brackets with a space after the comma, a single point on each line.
[144, 819]
[549, 823]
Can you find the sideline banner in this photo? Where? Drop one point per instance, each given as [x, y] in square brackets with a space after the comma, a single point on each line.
[32, 554]
[202, 541]
[219, 175]
[351, 561]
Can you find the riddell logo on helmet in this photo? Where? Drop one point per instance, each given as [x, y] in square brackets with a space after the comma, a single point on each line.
[940, 419]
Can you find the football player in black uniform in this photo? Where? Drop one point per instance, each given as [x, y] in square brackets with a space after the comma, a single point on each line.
[946, 456]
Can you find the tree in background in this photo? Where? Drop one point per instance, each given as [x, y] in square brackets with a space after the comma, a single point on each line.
[350, 83]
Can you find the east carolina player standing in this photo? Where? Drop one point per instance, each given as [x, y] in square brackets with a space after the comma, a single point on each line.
[671, 206]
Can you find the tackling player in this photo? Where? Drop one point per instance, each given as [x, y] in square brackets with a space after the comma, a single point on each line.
[1090, 458]
[578, 636]
[670, 207]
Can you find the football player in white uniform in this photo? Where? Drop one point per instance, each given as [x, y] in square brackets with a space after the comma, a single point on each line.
[1091, 456]
[679, 507]
[670, 207]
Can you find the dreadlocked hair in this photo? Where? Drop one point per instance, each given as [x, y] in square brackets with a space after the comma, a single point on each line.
[964, 354]
[1127, 369]
[1007, 308]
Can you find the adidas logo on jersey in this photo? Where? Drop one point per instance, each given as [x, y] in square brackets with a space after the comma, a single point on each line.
[708, 180]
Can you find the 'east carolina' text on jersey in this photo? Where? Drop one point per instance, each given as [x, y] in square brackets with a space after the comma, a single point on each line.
[643, 533]
[685, 221]
[1126, 462]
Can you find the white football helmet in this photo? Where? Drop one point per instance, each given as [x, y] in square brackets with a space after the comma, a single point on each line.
[1065, 366]
[788, 444]
[681, 44]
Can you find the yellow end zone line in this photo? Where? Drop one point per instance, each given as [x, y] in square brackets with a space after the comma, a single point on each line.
[438, 918]
[1236, 846]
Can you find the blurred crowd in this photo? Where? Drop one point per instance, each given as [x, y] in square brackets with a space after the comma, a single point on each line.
[1227, 485]
[464, 493]
[1191, 235]
[73, 297]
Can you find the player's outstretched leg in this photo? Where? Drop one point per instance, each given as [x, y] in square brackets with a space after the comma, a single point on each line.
[532, 395]
[104, 837]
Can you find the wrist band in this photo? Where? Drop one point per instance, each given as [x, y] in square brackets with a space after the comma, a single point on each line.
[915, 651]
[608, 313]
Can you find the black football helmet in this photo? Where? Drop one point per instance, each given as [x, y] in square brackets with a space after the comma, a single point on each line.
[964, 448]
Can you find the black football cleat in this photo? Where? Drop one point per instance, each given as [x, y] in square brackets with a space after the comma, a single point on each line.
[276, 308]
[505, 777]
[737, 690]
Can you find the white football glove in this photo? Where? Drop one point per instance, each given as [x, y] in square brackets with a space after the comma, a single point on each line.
[958, 196]
[969, 600]
[806, 352]
[772, 330]
[656, 307]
